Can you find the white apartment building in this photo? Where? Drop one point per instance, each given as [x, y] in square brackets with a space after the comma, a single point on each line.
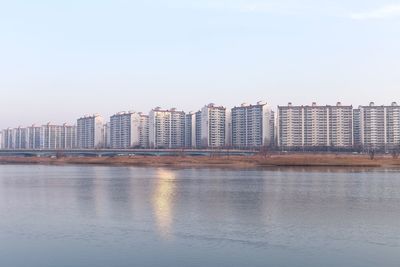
[190, 130]
[51, 136]
[68, 136]
[211, 127]
[40, 137]
[392, 125]
[107, 135]
[380, 126]
[290, 126]
[129, 130]
[8, 138]
[144, 131]
[19, 136]
[125, 130]
[252, 125]
[341, 130]
[90, 132]
[315, 126]
[357, 127]
[34, 137]
[13, 138]
[166, 128]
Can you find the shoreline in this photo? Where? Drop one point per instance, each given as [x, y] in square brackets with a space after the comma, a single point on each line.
[290, 160]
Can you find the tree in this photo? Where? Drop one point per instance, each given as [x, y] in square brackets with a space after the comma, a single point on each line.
[264, 151]
[395, 152]
[372, 154]
[60, 154]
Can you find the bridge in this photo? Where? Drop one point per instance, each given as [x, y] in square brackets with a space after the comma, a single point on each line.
[123, 152]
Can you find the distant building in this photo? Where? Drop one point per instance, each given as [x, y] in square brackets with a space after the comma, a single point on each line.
[125, 130]
[340, 126]
[51, 137]
[107, 135]
[20, 138]
[393, 126]
[290, 126]
[90, 132]
[197, 130]
[380, 126]
[8, 138]
[144, 131]
[252, 126]
[166, 128]
[34, 137]
[357, 128]
[228, 128]
[129, 130]
[68, 136]
[190, 130]
[315, 126]
[211, 127]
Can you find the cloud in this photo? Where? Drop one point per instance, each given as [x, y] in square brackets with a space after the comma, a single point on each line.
[386, 12]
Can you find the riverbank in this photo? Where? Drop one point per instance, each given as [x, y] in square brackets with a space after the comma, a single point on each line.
[290, 160]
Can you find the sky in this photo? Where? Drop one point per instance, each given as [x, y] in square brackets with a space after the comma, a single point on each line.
[60, 60]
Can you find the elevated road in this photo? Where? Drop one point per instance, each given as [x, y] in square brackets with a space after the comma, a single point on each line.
[124, 152]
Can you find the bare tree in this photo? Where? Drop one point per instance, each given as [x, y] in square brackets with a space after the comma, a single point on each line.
[395, 152]
[372, 154]
[264, 151]
[60, 154]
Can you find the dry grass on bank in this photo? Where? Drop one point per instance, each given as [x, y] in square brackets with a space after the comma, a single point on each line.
[289, 160]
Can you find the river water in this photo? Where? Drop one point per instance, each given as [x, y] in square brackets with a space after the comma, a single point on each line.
[103, 216]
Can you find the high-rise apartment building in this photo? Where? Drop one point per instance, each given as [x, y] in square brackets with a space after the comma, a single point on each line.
[144, 131]
[20, 136]
[190, 130]
[51, 136]
[90, 132]
[393, 125]
[211, 127]
[340, 126]
[68, 136]
[34, 137]
[379, 126]
[357, 128]
[125, 130]
[166, 128]
[252, 126]
[315, 126]
[107, 135]
[8, 138]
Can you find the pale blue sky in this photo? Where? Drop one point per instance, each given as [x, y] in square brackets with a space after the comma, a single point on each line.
[63, 59]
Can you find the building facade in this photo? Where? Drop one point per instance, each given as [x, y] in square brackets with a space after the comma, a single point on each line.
[68, 136]
[166, 128]
[211, 124]
[315, 126]
[144, 131]
[34, 137]
[357, 128]
[90, 132]
[379, 126]
[51, 137]
[19, 137]
[125, 130]
[190, 130]
[252, 126]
